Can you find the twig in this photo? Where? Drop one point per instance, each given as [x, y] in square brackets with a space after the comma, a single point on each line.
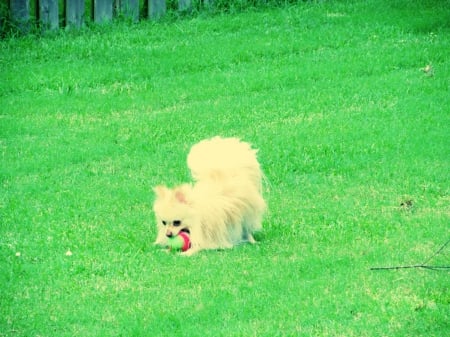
[423, 265]
[410, 267]
[438, 251]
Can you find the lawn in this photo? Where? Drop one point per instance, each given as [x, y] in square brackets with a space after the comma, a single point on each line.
[348, 103]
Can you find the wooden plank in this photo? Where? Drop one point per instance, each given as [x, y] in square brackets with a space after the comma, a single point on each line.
[102, 10]
[74, 13]
[156, 8]
[47, 14]
[128, 8]
[20, 14]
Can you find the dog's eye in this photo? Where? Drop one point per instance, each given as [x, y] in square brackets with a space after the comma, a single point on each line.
[176, 223]
[164, 222]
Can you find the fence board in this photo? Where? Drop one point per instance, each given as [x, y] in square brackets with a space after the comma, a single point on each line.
[156, 8]
[102, 10]
[74, 13]
[128, 8]
[20, 14]
[184, 5]
[47, 13]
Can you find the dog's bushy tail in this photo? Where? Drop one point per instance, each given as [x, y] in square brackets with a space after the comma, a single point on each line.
[222, 158]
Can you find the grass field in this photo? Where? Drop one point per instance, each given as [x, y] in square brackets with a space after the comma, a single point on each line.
[353, 131]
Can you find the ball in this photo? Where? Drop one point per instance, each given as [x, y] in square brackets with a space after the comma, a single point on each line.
[179, 242]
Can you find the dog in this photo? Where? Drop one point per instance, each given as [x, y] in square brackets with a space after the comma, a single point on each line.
[223, 207]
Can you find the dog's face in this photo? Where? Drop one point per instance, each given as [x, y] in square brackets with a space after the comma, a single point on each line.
[172, 210]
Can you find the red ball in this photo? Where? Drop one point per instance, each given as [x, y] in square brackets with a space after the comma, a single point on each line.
[179, 242]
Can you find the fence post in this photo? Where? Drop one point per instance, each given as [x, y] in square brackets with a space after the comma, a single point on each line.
[156, 8]
[47, 13]
[128, 8]
[101, 10]
[20, 14]
[74, 13]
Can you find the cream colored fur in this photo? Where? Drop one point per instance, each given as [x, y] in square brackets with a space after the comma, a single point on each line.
[223, 207]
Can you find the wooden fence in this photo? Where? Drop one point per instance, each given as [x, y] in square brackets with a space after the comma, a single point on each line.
[48, 11]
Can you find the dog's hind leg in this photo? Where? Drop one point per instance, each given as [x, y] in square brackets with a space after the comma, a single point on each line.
[250, 238]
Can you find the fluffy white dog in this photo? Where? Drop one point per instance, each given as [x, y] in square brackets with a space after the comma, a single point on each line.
[223, 207]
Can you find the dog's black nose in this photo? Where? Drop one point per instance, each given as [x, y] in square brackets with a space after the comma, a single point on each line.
[169, 234]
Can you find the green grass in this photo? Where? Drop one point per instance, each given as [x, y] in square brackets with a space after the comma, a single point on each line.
[349, 128]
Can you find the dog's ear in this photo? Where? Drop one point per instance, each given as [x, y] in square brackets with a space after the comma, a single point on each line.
[180, 195]
[160, 191]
